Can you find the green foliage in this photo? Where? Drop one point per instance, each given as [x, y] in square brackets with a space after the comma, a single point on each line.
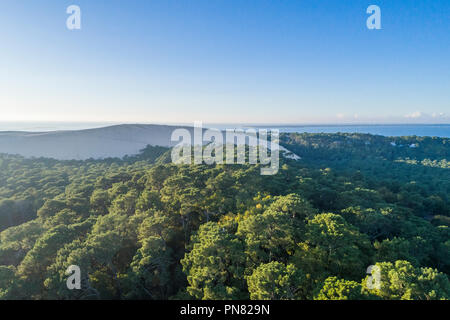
[333, 247]
[269, 236]
[215, 264]
[401, 281]
[7, 281]
[275, 281]
[339, 289]
[143, 228]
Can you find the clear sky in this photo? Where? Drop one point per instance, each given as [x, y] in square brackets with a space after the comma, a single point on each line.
[224, 61]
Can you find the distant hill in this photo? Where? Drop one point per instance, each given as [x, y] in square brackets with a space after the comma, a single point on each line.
[113, 141]
[108, 142]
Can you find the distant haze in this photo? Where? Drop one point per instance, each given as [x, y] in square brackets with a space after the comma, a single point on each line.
[129, 139]
[113, 141]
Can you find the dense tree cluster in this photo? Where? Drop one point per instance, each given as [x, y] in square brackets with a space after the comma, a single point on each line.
[144, 228]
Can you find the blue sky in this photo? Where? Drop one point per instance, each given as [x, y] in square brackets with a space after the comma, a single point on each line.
[246, 61]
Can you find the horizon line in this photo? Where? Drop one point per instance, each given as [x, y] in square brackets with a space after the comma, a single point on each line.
[277, 124]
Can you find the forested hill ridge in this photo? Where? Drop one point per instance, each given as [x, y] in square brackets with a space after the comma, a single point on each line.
[105, 142]
[115, 141]
[140, 227]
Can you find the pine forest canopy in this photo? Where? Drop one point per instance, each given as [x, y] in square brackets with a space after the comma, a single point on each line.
[140, 227]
